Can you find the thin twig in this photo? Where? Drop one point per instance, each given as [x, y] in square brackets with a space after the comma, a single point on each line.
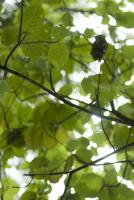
[117, 113]
[80, 62]
[97, 97]
[24, 185]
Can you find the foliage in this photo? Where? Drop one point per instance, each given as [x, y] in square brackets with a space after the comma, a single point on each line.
[53, 80]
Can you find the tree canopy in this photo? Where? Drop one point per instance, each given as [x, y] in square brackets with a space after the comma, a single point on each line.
[65, 94]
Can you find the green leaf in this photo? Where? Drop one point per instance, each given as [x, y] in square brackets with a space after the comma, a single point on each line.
[8, 153]
[67, 19]
[69, 163]
[104, 195]
[72, 144]
[120, 135]
[125, 19]
[53, 1]
[66, 90]
[28, 195]
[107, 91]
[83, 154]
[121, 193]
[9, 191]
[128, 108]
[3, 87]
[88, 33]
[48, 140]
[39, 132]
[43, 197]
[9, 35]
[61, 135]
[33, 137]
[58, 54]
[89, 185]
[33, 50]
[32, 17]
[128, 51]
[73, 197]
[60, 32]
[110, 175]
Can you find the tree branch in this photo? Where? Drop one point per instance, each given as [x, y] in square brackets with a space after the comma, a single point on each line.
[66, 186]
[75, 10]
[91, 163]
[97, 97]
[56, 95]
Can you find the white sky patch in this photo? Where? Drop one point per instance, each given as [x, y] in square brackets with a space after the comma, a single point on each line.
[93, 21]
[11, 2]
[107, 113]
[30, 156]
[88, 132]
[112, 21]
[94, 67]
[76, 134]
[76, 95]
[16, 175]
[83, 4]
[77, 76]
[128, 7]
[14, 161]
[130, 81]
[102, 151]
[128, 183]
[57, 189]
[121, 101]
[124, 33]
[96, 119]
[92, 144]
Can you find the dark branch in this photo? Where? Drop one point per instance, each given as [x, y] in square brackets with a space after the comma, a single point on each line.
[131, 122]
[66, 186]
[91, 163]
[117, 113]
[80, 62]
[104, 157]
[75, 10]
